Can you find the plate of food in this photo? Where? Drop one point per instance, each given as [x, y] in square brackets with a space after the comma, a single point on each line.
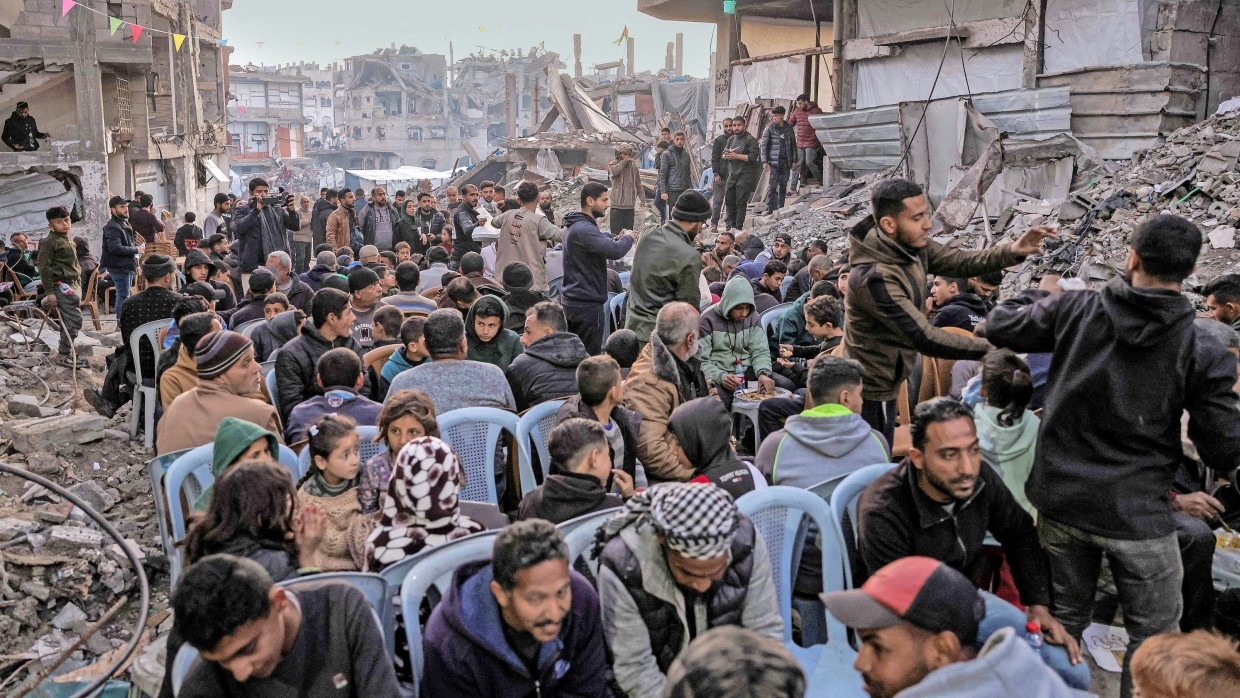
[758, 395]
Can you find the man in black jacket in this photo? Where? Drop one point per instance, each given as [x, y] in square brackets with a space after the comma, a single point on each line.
[323, 208]
[464, 221]
[262, 228]
[953, 305]
[548, 368]
[21, 133]
[744, 163]
[675, 170]
[1127, 364]
[940, 502]
[329, 327]
[120, 250]
[154, 303]
[718, 173]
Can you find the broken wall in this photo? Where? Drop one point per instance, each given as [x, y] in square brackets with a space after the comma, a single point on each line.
[1089, 33]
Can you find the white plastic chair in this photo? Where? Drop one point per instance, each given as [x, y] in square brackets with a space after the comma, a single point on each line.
[143, 395]
[474, 433]
[533, 428]
[781, 515]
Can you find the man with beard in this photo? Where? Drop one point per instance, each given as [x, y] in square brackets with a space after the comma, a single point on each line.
[677, 559]
[428, 224]
[667, 265]
[724, 244]
[626, 189]
[744, 164]
[120, 250]
[218, 220]
[586, 251]
[465, 220]
[675, 170]
[341, 222]
[378, 220]
[544, 203]
[940, 503]
[719, 173]
[524, 236]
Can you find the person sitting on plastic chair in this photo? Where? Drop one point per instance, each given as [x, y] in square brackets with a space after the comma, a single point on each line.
[259, 639]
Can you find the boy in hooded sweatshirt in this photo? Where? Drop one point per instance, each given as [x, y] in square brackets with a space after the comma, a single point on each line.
[732, 340]
[412, 353]
[485, 332]
[1006, 430]
[236, 441]
[829, 439]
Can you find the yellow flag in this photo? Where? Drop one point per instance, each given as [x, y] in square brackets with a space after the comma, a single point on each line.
[177, 40]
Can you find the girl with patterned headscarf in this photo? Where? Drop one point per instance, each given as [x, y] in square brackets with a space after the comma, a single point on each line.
[420, 508]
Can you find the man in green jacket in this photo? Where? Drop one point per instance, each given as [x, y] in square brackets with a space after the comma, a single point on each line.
[666, 265]
[733, 342]
[62, 277]
[891, 254]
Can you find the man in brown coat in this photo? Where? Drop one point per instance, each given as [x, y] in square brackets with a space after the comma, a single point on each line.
[626, 189]
[667, 373]
[341, 222]
[523, 236]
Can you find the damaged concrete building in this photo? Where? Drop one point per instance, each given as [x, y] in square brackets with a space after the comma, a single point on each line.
[123, 116]
[265, 117]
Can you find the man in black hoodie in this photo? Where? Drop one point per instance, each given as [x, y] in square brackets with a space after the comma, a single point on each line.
[21, 133]
[953, 305]
[548, 368]
[324, 264]
[581, 469]
[326, 204]
[1127, 363]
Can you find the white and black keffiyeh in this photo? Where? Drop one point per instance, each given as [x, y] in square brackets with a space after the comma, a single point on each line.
[697, 520]
[419, 507]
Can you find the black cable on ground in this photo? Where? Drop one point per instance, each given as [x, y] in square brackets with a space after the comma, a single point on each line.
[143, 586]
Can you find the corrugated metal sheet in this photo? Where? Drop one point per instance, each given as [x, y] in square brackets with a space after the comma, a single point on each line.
[1029, 113]
[866, 140]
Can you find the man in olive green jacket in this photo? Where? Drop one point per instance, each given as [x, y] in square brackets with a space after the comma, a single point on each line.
[61, 278]
[666, 265]
[891, 254]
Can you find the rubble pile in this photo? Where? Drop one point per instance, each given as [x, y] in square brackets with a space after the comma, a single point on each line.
[59, 572]
[825, 214]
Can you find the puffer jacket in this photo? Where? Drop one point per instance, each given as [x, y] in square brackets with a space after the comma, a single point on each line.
[806, 137]
[503, 348]
[726, 341]
[887, 326]
[675, 172]
[547, 370]
[644, 617]
[295, 367]
[314, 277]
[777, 145]
[657, 384]
[666, 268]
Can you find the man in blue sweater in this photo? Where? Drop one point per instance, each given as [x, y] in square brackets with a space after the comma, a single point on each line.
[586, 251]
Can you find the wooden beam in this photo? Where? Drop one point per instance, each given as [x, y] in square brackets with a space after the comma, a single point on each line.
[975, 35]
[819, 51]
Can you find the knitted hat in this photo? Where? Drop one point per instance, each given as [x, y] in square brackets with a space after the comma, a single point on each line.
[336, 281]
[218, 351]
[262, 280]
[691, 207]
[158, 264]
[360, 278]
[517, 276]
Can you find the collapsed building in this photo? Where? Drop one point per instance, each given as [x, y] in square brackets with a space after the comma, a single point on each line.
[123, 115]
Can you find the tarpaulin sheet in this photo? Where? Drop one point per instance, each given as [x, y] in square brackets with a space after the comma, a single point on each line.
[878, 17]
[908, 76]
[691, 99]
[25, 199]
[1087, 33]
[783, 78]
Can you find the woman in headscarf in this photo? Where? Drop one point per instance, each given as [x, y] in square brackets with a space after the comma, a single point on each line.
[420, 508]
[703, 427]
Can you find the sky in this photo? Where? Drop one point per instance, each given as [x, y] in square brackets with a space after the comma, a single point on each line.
[322, 32]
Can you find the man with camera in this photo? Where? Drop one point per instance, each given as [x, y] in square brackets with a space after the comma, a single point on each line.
[262, 226]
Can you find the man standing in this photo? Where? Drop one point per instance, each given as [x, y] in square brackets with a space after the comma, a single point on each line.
[777, 158]
[120, 251]
[341, 222]
[427, 222]
[21, 133]
[524, 236]
[215, 221]
[377, 220]
[675, 170]
[464, 221]
[885, 305]
[323, 209]
[62, 277]
[667, 265]
[743, 156]
[719, 172]
[626, 189]
[1128, 363]
[262, 226]
[143, 219]
[586, 251]
[807, 141]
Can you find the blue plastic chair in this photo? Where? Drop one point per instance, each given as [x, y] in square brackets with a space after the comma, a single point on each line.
[844, 503]
[270, 380]
[615, 305]
[144, 396]
[534, 427]
[770, 315]
[180, 666]
[781, 515]
[579, 535]
[190, 473]
[247, 328]
[474, 433]
[156, 468]
[373, 586]
[624, 278]
[434, 571]
[367, 449]
[555, 288]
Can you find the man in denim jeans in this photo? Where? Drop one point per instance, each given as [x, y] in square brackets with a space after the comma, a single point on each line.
[1127, 363]
[120, 250]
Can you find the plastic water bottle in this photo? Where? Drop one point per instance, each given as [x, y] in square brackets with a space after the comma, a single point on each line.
[1033, 635]
[739, 370]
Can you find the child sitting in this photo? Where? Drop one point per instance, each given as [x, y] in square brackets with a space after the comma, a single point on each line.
[581, 470]
[331, 483]
[1006, 430]
[274, 304]
[387, 323]
[409, 414]
[413, 353]
[237, 441]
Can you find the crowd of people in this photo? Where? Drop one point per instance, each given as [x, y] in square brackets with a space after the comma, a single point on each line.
[1047, 433]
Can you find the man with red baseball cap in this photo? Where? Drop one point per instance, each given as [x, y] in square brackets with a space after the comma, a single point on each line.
[917, 621]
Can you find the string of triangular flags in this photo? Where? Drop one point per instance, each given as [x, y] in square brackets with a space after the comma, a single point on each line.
[115, 23]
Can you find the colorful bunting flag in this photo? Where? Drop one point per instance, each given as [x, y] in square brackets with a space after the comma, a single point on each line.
[114, 24]
[65, 6]
[177, 40]
[137, 31]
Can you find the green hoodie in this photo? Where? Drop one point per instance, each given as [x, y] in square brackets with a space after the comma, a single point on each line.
[232, 438]
[501, 350]
[724, 340]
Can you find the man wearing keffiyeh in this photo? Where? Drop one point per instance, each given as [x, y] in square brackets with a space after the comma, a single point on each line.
[676, 560]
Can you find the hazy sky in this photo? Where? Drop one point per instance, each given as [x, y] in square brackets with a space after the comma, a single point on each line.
[328, 31]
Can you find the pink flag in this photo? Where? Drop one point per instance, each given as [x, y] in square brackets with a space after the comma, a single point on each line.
[137, 31]
[65, 6]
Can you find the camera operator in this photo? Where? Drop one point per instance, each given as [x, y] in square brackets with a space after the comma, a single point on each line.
[262, 226]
